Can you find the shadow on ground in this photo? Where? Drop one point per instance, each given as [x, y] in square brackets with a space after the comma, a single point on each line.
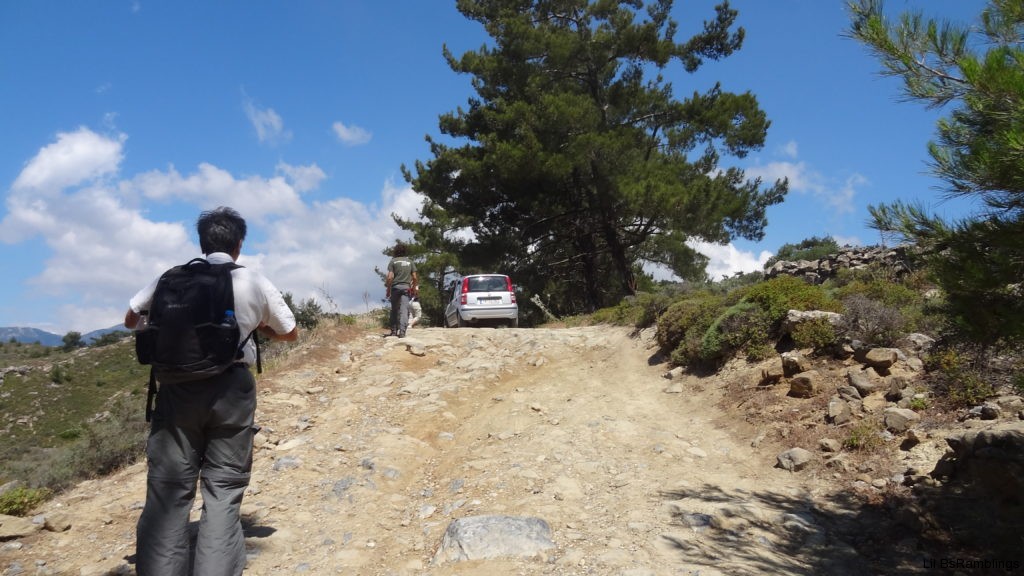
[748, 532]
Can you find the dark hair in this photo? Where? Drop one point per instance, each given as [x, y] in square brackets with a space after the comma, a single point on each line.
[220, 230]
[399, 250]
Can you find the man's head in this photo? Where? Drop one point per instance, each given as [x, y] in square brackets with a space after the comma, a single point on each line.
[220, 230]
[399, 250]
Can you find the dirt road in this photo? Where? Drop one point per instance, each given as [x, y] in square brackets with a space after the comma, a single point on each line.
[370, 447]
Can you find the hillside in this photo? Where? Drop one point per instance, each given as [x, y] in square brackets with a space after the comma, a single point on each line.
[371, 447]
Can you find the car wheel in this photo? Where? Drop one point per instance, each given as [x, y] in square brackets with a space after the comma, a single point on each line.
[513, 323]
[459, 319]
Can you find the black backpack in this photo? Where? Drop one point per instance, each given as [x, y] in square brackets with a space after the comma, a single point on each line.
[191, 332]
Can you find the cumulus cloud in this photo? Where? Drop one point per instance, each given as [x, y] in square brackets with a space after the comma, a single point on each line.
[104, 244]
[268, 124]
[351, 135]
[725, 260]
[838, 197]
[790, 149]
[210, 186]
[302, 178]
[74, 158]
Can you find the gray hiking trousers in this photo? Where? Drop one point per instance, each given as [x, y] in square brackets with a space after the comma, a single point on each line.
[399, 308]
[200, 431]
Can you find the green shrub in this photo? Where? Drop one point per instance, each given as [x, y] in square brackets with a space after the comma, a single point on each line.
[892, 294]
[784, 293]
[687, 319]
[1017, 383]
[812, 248]
[96, 449]
[70, 434]
[964, 387]
[60, 374]
[864, 436]
[21, 501]
[816, 333]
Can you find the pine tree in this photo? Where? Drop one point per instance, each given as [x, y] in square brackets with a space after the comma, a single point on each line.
[979, 152]
[575, 163]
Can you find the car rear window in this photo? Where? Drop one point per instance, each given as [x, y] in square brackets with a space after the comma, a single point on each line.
[488, 284]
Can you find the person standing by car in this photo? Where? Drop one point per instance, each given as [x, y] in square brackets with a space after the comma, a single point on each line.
[415, 311]
[202, 430]
[401, 283]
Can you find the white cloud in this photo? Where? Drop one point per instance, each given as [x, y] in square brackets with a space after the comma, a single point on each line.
[74, 158]
[351, 135]
[789, 149]
[725, 260]
[804, 180]
[268, 124]
[302, 178]
[210, 186]
[104, 247]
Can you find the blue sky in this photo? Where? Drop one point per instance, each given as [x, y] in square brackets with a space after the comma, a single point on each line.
[121, 120]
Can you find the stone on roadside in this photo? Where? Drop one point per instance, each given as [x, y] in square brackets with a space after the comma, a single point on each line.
[881, 359]
[899, 420]
[861, 382]
[805, 384]
[488, 537]
[839, 411]
[794, 459]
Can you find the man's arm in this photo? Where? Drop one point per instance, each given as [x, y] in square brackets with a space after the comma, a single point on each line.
[131, 319]
[415, 282]
[269, 333]
[387, 283]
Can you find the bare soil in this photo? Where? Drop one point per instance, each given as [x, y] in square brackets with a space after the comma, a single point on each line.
[370, 447]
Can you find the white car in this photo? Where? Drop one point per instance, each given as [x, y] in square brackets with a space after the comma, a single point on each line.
[480, 298]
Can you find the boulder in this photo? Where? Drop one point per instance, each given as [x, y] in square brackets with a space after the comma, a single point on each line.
[991, 461]
[915, 344]
[485, 537]
[839, 411]
[861, 382]
[794, 363]
[881, 359]
[12, 527]
[795, 318]
[805, 384]
[899, 420]
[794, 459]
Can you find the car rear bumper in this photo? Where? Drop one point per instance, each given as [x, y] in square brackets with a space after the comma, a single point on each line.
[472, 313]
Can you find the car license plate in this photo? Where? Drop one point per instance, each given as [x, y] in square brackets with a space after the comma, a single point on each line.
[488, 299]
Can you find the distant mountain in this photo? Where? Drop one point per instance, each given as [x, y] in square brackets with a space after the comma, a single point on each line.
[88, 337]
[31, 335]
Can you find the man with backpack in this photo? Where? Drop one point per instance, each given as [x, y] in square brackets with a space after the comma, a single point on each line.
[401, 283]
[203, 420]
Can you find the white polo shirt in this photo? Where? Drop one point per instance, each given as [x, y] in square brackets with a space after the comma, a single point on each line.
[256, 301]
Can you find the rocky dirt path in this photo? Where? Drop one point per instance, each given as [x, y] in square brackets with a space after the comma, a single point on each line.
[370, 447]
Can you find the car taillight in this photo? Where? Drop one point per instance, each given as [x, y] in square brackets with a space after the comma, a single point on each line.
[465, 288]
[511, 291]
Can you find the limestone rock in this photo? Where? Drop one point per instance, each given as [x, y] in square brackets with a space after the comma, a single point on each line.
[794, 363]
[14, 527]
[881, 359]
[861, 382]
[839, 411]
[794, 459]
[485, 537]
[899, 420]
[805, 384]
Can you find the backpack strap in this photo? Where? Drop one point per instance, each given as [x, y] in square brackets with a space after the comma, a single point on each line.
[150, 395]
[256, 340]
